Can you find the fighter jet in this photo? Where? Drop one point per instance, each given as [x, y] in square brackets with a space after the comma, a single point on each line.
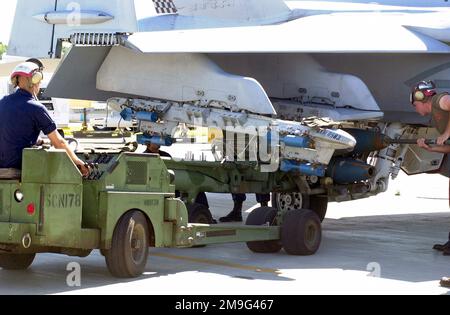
[336, 58]
[351, 61]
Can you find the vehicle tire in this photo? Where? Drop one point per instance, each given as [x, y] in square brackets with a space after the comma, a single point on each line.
[16, 261]
[319, 205]
[262, 216]
[128, 255]
[301, 232]
[290, 201]
[198, 213]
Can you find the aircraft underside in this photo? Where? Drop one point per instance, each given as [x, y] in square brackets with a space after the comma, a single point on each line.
[365, 82]
[247, 88]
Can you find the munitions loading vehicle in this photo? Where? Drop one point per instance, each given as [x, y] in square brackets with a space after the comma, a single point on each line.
[125, 206]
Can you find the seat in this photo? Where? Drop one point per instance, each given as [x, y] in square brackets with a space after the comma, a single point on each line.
[10, 173]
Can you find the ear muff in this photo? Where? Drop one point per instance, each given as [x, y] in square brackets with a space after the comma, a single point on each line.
[419, 96]
[416, 96]
[37, 77]
[422, 91]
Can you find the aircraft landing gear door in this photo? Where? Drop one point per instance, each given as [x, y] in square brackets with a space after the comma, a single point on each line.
[418, 160]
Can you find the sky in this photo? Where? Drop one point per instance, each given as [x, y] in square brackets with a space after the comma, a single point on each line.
[6, 17]
[8, 8]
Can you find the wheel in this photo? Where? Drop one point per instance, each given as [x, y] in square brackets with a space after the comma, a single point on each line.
[127, 257]
[319, 205]
[262, 216]
[290, 201]
[16, 261]
[198, 213]
[301, 232]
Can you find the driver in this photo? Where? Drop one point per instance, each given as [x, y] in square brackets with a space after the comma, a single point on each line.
[23, 117]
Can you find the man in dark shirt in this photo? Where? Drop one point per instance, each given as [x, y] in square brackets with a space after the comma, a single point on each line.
[22, 118]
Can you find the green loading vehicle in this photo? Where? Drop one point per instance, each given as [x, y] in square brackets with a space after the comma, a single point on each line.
[128, 204]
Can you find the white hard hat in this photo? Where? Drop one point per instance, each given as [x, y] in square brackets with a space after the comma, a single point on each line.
[29, 70]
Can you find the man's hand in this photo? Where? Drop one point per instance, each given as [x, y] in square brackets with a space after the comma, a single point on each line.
[442, 138]
[421, 143]
[59, 143]
[83, 168]
[40, 142]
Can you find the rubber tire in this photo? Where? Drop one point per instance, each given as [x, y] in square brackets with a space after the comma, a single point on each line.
[319, 205]
[198, 213]
[119, 258]
[16, 261]
[297, 224]
[260, 216]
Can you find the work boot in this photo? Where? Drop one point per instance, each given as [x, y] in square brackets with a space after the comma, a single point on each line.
[235, 215]
[445, 282]
[443, 247]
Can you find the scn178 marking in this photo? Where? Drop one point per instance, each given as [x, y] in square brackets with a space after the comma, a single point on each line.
[63, 201]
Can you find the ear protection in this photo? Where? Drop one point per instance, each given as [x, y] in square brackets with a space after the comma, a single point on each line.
[422, 90]
[37, 77]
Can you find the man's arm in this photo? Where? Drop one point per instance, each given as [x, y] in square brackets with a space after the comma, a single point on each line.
[444, 104]
[437, 149]
[60, 143]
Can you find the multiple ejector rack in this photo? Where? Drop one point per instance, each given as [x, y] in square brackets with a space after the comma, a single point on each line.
[291, 145]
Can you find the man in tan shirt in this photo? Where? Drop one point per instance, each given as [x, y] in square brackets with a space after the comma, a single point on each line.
[427, 101]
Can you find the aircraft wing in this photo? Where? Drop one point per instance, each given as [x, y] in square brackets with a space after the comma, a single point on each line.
[335, 33]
